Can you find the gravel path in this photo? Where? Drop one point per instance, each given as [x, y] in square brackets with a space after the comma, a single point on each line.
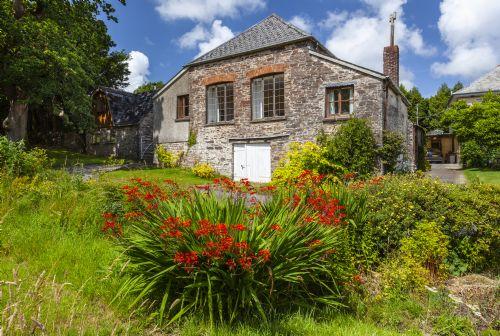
[450, 173]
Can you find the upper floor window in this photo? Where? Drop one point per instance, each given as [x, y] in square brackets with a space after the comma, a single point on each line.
[220, 103]
[268, 96]
[339, 101]
[183, 107]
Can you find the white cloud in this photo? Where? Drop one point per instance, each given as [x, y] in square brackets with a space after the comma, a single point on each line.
[360, 37]
[192, 37]
[471, 31]
[303, 23]
[406, 77]
[333, 19]
[138, 65]
[206, 10]
[206, 40]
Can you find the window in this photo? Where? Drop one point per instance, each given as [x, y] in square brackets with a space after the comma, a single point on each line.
[339, 101]
[220, 103]
[183, 107]
[268, 97]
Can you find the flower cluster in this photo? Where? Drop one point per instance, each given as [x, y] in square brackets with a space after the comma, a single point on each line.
[111, 224]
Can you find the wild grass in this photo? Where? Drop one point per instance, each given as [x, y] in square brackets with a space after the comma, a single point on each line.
[488, 176]
[65, 158]
[183, 177]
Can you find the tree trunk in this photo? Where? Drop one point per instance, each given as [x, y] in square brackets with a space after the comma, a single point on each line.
[16, 123]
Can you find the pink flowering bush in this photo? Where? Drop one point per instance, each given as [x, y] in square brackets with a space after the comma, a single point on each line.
[227, 251]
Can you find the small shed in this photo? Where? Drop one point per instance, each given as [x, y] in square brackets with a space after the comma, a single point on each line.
[444, 147]
[124, 125]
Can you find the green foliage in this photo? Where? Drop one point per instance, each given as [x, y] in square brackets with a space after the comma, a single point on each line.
[467, 215]
[191, 138]
[230, 258]
[55, 53]
[166, 158]
[477, 128]
[151, 86]
[15, 160]
[301, 157]
[352, 146]
[203, 170]
[419, 260]
[393, 146]
[112, 160]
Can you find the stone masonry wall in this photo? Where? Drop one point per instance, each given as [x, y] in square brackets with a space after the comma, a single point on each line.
[121, 142]
[306, 78]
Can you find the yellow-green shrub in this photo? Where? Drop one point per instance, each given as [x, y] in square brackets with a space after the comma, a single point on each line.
[419, 261]
[166, 158]
[203, 170]
[300, 157]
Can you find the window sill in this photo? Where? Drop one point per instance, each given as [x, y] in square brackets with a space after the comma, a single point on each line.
[268, 119]
[181, 119]
[220, 123]
[337, 118]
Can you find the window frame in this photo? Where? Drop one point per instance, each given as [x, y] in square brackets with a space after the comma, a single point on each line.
[274, 109]
[328, 114]
[185, 107]
[207, 103]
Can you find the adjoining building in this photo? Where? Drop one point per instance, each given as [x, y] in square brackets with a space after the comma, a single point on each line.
[477, 89]
[124, 125]
[242, 103]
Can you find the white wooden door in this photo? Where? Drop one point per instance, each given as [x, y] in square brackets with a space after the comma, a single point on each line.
[253, 162]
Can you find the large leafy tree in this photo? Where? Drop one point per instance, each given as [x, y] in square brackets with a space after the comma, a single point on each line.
[151, 86]
[52, 54]
[478, 129]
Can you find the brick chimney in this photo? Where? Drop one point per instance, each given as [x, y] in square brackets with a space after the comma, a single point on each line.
[391, 56]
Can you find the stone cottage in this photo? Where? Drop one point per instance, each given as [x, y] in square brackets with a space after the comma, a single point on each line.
[124, 125]
[242, 103]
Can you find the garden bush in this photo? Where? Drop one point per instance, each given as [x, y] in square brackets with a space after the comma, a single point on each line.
[352, 146]
[467, 215]
[393, 147]
[203, 170]
[16, 160]
[232, 257]
[301, 157]
[166, 158]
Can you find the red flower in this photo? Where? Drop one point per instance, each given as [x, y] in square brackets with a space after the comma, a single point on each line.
[186, 258]
[315, 243]
[149, 196]
[133, 214]
[276, 227]
[241, 246]
[108, 225]
[239, 227]
[357, 278]
[220, 229]
[245, 263]
[264, 254]
[203, 187]
[108, 215]
[231, 264]
[175, 233]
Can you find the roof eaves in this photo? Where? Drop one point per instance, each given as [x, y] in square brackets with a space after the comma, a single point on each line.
[170, 82]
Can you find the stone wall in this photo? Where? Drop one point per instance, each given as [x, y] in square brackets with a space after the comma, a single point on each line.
[306, 78]
[145, 139]
[121, 142]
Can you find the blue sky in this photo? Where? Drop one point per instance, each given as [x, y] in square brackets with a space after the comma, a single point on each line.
[441, 41]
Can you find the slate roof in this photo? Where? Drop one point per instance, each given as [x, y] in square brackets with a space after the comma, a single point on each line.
[490, 81]
[270, 32]
[128, 108]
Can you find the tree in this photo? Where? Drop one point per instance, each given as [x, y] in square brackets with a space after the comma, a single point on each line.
[53, 53]
[151, 86]
[417, 102]
[477, 128]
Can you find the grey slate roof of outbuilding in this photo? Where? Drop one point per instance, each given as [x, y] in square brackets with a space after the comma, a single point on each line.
[270, 32]
[128, 108]
[490, 81]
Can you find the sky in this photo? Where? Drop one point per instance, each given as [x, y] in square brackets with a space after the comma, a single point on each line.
[440, 41]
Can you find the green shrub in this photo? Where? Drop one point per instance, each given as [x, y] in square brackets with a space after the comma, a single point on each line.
[473, 155]
[203, 170]
[301, 157]
[352, 147]
[468, 215]
[393, 147]
[112, 160]
[418, 262]
[16, 160]
[231, 258]
[191, 138]
[166, 158]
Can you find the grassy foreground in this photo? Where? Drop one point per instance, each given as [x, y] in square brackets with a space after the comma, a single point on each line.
[183, 177]
[58, 273]
[483, 175]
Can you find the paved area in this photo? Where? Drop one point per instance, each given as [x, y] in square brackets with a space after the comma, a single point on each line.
[447, 172]
[89, 171]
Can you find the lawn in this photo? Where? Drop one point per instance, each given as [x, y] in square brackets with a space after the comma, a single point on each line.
[183, 177]
[64, 158]
[483, 175]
